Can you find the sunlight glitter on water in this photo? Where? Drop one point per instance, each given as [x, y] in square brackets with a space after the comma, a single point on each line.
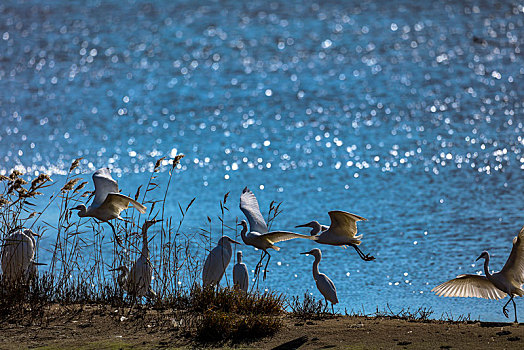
[410, 116]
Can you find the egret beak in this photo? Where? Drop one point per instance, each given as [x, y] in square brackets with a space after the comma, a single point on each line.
[477, 259]
[76, 208]
[239, 224]
[305, 253]
[38, 264]
[233, 241]
[304, 225]
[116, 269]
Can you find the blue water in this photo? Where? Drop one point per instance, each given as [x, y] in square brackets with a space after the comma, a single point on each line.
[409, 114]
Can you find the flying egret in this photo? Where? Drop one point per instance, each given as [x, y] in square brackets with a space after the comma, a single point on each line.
[341, 232]
[18, 252]
[324, 284]
[137, 282]
[240, 274]
[509, 280]
[108, 202]
[258, 234]
[217, 261]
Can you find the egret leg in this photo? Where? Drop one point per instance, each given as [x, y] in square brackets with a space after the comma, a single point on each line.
[365, 257]
[117, 239]
[505, 310]
[259, 264]
[267, 263]
[515, 308]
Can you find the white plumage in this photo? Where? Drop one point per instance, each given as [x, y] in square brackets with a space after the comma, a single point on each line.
[137, 282]
[240, 274]
[325, 286]
[257, 235]
[18, 252]
[108, 202]
[341, 232]
[496, 286]
[217, 261]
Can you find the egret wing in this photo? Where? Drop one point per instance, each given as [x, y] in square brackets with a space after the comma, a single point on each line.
[469, 286]
[119, 202]
[280, 236]
[250, 208]
[104, 184]
[327, 288]
[513, 270]
[344, 223]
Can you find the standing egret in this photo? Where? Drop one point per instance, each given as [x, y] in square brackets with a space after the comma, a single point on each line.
[258, 235]
[217, 261]
[240, 274]
[509, 280]
[341, 232]
[137, 282]
[18, 252]
[108, 202]
[324, 284]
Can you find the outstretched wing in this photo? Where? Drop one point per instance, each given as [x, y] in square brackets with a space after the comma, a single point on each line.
[513, 270]
[343, 223]
[469, 286]
[117, 202]
[280, 236]
[250, 208]
[104, 184]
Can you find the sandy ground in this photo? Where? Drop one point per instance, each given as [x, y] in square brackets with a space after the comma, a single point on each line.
[105, 328]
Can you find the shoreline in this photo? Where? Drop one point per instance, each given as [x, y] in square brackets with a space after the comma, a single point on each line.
[102, 326]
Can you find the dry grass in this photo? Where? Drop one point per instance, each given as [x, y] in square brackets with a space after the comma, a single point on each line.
[84, 250]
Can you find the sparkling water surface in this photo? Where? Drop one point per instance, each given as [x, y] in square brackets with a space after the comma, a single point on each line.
[408, 113]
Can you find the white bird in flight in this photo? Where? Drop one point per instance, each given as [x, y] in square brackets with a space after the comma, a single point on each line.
[217, 261]
[258, 234]
[509, 280]
[324, 284]
[137, 282]
[341, 232]
[18, 253]
[240, 274]
[108, 202]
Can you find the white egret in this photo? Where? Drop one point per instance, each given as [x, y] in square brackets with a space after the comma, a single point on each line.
[18, 252]
[137, 282]
[341, 232]
[258, 235]
[240, 274]
[509, 280]
[217, 261]
[108, 202]
[324, 284]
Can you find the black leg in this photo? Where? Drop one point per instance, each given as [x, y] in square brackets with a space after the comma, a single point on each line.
[117, 239]
[366, 257]
[259, 264]
[515, 308]
[504, 310]
[267, 263]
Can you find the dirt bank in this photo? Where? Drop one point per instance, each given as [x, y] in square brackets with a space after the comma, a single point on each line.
[102, 327]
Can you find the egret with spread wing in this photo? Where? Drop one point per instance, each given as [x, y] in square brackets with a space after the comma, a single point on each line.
[137, 282]
[325, 286]
[258, 235]
[217, 261]
[509, 280]
[240, 274]
[341, 232]
[108, 202]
